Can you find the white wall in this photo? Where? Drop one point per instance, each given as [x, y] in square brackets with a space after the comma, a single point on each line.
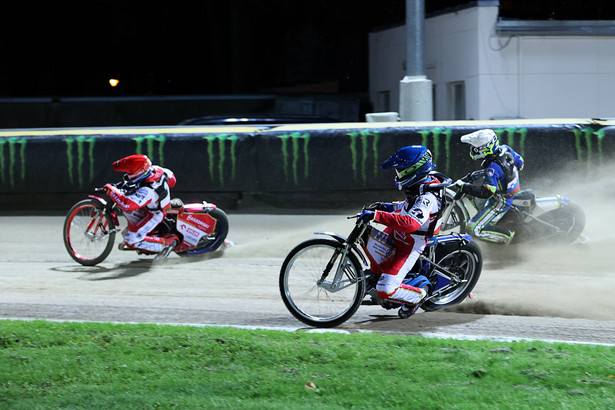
[520, 76]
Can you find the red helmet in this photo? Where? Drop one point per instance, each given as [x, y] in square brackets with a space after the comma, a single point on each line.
[136, 167]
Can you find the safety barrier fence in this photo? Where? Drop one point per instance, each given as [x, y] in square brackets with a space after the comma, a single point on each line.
[314, 163]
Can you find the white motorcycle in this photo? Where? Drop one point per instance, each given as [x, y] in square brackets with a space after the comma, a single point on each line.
[533, 219]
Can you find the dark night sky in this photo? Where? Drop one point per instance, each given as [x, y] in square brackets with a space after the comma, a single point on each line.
[210, 47]
[205, 47]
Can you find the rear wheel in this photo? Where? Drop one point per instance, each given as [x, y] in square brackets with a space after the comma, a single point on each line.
[318, 301]
[89, 232]
[466, 263]
[563, 225]
[214, 240]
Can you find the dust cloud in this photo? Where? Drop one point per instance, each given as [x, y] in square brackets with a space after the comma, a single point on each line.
[576, 280]
[571, 281]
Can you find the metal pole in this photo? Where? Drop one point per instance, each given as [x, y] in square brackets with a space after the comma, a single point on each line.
[415, 37]
[415, 90]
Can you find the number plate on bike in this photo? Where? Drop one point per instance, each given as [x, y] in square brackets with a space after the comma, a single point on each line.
[194, 226]
[380, 246]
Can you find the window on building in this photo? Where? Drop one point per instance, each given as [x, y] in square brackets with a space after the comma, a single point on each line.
[457, 100]
[383, 102]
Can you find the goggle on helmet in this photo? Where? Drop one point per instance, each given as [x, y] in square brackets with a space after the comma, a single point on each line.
[482, 143]
[412, 165]
[136, 167]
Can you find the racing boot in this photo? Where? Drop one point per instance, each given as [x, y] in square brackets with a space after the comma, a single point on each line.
[405, 311]
[170, 242]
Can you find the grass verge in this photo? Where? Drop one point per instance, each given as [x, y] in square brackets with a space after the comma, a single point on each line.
[97, 365]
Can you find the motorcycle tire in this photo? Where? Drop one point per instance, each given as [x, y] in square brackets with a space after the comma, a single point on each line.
[467, 263]
[454, 217]
[570, 219]
[303, 294]
[213, 241]
[89, 232]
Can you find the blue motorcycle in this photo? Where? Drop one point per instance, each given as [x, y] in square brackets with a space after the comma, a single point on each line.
[553, 219]
[323, 281]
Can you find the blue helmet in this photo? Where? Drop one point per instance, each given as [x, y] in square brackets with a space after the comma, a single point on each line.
[412, 165]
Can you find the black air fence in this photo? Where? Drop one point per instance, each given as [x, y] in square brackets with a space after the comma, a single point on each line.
[292, 165]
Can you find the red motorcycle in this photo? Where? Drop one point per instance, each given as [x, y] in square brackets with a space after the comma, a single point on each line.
[91, 225]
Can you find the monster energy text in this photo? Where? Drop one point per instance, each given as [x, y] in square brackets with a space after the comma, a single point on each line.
[436, 134]
[149, 141]
[363, 154]
[81, 144]
[12, 160]
[218, 143]
[586, 135]
[510, 134]
[296, 138]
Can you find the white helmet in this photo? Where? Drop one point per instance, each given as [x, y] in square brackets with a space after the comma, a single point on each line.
[483, 143]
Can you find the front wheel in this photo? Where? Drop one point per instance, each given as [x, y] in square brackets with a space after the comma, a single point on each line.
[316, 300]
[455, 216]
[89, 232]
[466, 263]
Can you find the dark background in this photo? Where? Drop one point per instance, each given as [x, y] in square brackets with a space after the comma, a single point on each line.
[213, 47]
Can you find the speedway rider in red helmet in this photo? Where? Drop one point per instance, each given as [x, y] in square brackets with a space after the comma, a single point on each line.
[144, 198]
[410, 223]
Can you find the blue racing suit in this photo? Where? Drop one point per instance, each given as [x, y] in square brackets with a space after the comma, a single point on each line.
[500, 183]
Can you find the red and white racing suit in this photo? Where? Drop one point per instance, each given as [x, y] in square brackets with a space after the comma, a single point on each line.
[409, 226]
[144, 209]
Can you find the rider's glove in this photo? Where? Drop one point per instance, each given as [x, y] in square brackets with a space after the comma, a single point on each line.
[459, 184]
[367, 216]
[467, 178]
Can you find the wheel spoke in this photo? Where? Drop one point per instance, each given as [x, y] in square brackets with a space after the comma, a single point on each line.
[88, 234]
[312, 300]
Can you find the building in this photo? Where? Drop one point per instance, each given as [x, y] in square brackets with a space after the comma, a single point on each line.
[484, 66]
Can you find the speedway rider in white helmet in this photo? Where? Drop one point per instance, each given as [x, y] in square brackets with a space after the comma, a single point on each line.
[500, 182]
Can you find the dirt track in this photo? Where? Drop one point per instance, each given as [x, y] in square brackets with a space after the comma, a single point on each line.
[547, 293]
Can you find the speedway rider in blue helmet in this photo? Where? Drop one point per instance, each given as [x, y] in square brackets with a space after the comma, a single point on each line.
[500, 174]
[410, 223]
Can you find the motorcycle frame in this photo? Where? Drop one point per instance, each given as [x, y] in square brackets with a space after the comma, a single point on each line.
[108, 207]
[470, 207]
[350, 246]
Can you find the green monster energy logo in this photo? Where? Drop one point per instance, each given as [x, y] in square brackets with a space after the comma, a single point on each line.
[510, 134]
[149, 143]
[438, 134]
[362, 154]
[586, 135]
[12, 142]
[219, 141]
[81, 143]
[295, 138]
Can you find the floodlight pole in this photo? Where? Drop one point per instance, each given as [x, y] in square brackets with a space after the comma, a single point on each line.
[415, 90]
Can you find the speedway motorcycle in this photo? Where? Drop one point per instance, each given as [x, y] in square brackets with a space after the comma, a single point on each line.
[91, 225]
[552, 219]
[323, 281]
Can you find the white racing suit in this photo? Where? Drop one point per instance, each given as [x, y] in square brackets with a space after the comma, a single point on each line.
[409, 227]
[144, 209]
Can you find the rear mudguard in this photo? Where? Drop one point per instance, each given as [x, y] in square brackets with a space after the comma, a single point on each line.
[341, 239]
[447, 239]
[106, 206]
